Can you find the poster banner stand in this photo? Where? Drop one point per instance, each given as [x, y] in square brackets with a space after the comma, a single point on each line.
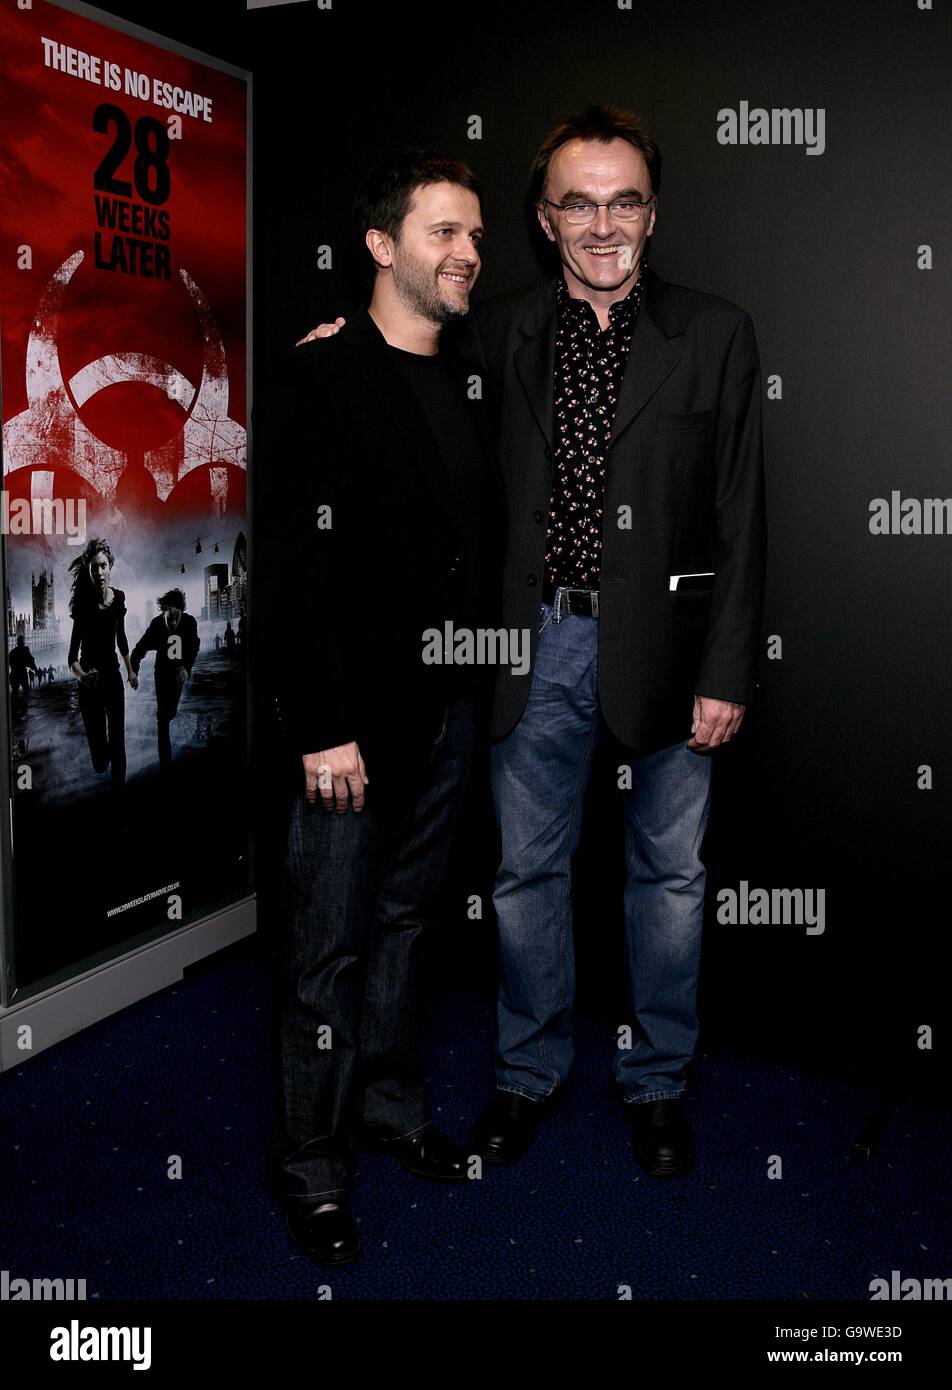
[48, 1017]
[125, 707]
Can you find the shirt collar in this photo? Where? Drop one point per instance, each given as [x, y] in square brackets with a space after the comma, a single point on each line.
[580, 309]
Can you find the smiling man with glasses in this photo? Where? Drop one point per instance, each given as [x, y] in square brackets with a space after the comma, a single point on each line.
[629, 425]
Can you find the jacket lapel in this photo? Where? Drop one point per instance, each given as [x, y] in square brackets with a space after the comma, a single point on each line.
[535, 359]
[654, 353]
[653, 356]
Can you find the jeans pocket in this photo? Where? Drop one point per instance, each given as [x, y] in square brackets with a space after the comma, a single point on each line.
[545, 618]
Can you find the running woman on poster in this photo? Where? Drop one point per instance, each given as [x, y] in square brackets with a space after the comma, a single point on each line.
[98, 613]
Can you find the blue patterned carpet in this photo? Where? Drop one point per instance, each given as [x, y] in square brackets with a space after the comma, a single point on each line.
[87, 1131]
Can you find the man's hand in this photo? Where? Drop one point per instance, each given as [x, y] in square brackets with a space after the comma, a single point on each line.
[715, 722]
[323, 330]
[336, 773]
[134, 680]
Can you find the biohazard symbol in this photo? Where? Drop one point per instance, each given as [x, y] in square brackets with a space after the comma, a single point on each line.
[50, 434]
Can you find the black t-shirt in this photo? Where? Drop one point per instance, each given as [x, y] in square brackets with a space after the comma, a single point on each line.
[449, 416]
[97, 632]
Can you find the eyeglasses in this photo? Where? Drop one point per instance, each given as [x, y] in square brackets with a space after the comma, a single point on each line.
[623, 210]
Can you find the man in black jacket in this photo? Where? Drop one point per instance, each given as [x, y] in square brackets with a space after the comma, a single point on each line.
[173, 636]
[372, 537]
[629, 420]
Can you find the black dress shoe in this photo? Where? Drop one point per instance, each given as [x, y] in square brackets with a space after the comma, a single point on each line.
[505, 1130]
[327, 1232]
[428, 1154]
[661, 1138]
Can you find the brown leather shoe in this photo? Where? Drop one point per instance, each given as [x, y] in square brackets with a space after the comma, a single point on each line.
[661, 1138]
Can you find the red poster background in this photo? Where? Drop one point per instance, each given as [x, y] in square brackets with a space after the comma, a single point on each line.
[48, 154]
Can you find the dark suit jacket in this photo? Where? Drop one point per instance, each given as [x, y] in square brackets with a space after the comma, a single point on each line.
[340, 613]
[156, 639]
[686, 459]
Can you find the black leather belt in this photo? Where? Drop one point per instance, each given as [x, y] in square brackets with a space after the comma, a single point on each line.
[582, 603]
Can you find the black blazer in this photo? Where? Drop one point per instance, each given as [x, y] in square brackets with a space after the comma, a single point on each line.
[156, 639]
[686, 457]
[340, 611]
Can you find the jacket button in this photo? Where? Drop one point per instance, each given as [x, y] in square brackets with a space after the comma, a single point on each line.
[530, 580]
[455, 564]
[548, 452]
[537, 515]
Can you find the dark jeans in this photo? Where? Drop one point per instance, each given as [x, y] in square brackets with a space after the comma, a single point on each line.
[103, 708]
[168, 692]
[361, 888]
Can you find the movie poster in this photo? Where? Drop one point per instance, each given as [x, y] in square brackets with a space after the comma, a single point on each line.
[123, 513]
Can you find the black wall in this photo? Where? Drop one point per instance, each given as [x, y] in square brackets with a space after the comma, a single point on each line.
[820, 791]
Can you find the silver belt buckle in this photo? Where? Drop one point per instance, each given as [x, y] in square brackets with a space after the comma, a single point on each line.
[592, 593]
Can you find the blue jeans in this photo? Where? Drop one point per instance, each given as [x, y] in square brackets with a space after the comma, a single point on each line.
[361, 889]
[539, 774]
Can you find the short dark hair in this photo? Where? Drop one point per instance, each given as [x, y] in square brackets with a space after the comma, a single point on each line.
[386, 190]
[172, 598]
[596, 122]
